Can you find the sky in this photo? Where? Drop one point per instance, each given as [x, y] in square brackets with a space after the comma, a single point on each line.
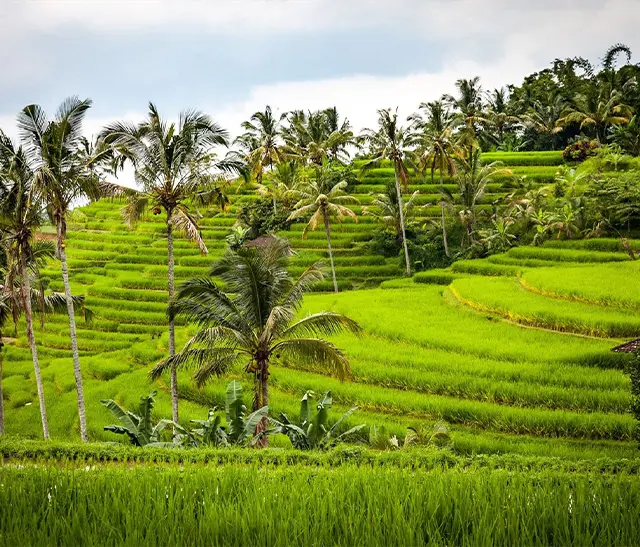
[230, 58]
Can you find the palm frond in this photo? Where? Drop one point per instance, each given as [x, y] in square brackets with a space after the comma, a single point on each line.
[184, 222]
[321, 324]
[314, 351]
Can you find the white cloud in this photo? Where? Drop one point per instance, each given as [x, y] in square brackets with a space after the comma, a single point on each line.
[499, 40]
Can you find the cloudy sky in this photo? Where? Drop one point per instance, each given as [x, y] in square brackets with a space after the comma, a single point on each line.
[232, 57]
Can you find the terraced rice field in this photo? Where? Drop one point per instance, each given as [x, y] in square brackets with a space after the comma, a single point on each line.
[512, 352]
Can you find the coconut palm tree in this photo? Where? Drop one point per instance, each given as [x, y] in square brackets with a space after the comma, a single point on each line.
[390, 141]
[388, 211]
[601, 107]
[468, 107]
[262, 142]
[11, 296]
[501, 120]
[21, 214]
[285, 178]
[472, 178]
[542, 115]
[340, 135]
[5, 314]
[254, 323]
[313, 137]
[436, 149]
[174, 164]
[62, 176]
[324, 198]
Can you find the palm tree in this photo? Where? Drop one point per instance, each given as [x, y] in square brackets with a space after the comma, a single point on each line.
[254, 323]
[436, 148]
[313, 137]
[5, 314]
[21, 214]
[389, 212]
[262, 142]
[390, 141]
[499, 116]
[542, 116]
[472, 178]
[323, 198]
[468, 107]
[340, 135]
[173, 164]
[11, 296]
[600, 108]
[285, 178]
[628, 136]
[62, 177]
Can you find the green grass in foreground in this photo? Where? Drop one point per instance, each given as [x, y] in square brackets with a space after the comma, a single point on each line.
[296, 505]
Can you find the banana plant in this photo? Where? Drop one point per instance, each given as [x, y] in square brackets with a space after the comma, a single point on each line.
[210, 432]
[241, 429]
[139, 427]
[313, 431]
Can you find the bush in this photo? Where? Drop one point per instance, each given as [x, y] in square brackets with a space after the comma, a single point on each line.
[425, 256]
[384, 243]
[580, 150]
[260, 218]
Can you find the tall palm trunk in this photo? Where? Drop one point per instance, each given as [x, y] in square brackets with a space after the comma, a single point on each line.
[26, 302]
[1, 395]
[172, 327]
[327, 230]
[62, 253]
[401, 212]
[260, 399]
[444, 225]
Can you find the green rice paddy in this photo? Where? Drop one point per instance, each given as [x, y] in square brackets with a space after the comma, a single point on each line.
[511, 353]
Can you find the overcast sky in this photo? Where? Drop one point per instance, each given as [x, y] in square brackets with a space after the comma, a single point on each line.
[232, 57]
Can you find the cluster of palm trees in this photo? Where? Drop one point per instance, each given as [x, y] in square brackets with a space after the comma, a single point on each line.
[41, 178]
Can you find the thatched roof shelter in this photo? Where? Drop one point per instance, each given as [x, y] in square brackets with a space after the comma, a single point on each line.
[628, 347]
[262, 241]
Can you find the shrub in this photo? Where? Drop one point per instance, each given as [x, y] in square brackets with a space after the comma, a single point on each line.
[580, 150]
[260, 218]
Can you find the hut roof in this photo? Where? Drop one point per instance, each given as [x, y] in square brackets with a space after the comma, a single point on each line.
[628, 347]
[262, 241]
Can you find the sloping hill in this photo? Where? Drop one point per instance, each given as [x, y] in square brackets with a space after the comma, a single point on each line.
[429, 352]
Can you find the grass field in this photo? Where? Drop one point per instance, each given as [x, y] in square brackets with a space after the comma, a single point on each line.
[511, 354]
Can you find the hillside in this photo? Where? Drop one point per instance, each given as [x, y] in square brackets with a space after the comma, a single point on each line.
[451, 345]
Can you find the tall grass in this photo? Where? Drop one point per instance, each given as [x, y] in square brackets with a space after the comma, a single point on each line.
[238, 505]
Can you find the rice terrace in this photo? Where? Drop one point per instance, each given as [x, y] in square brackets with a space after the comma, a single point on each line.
[302, 332]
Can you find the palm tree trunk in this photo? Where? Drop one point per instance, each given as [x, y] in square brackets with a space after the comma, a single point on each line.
[74, 338]
[404, 235]
[1, 395]
[328, 232]
[26, 302]
[263, 425]
[444, 225]
[172, 327]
